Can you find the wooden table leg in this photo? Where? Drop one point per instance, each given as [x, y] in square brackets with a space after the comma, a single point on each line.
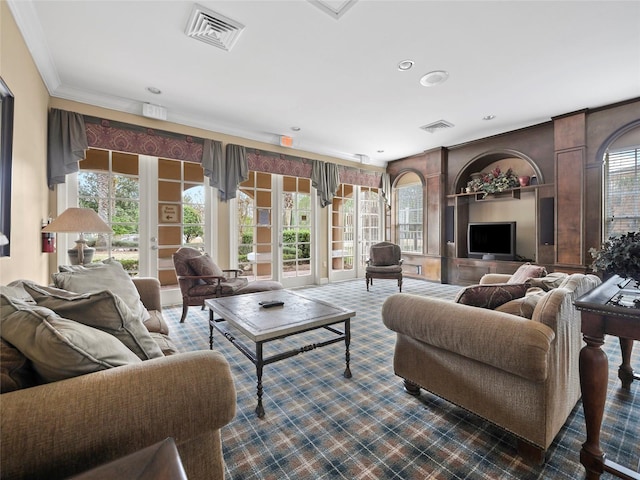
[593, 382]
[625, 371]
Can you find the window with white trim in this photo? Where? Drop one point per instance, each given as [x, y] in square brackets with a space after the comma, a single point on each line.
[409, 195]
[621, 191]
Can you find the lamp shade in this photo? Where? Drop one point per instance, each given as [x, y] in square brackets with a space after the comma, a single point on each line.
[78, 220]
[81, 220]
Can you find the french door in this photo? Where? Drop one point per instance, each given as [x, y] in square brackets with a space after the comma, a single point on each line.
[275, 234]
[356, 223]
[153, 205]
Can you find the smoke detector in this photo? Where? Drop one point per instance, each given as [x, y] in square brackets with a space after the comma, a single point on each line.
[439, 125]
[213, 28]
[434, 78]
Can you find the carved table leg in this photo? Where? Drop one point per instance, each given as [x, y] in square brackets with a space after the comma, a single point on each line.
[259, 367]
[593, 382]
[210, 329]
[347, 342]
[625, 372]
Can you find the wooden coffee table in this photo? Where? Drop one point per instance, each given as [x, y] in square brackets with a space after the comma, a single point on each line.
[243, 316]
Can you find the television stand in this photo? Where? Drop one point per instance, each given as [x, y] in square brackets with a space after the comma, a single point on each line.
[468, 271]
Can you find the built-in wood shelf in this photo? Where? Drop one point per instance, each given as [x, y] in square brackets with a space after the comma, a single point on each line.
[511, 193]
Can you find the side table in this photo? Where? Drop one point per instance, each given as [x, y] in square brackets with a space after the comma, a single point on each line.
[160, 461]
[607, 309]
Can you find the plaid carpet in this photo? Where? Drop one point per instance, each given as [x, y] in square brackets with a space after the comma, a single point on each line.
[319, 425]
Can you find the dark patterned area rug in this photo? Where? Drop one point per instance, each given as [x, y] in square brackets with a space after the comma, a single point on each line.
[319, 425]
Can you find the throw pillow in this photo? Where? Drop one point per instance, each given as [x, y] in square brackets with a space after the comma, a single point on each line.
[106, 275]
[524, 306]
[16, 291]
[204, 265]
[102, 310]
[156, 323]
[490, 296]
[60, 348]
[16, 371]
[551, 281]
[526, 272]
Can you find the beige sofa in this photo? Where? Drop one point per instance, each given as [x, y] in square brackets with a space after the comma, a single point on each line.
[59, 429]
[520, 374]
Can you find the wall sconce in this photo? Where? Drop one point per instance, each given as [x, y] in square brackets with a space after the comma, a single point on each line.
[81, 220]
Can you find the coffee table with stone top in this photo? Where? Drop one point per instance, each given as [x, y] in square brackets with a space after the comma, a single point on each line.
[245, 319]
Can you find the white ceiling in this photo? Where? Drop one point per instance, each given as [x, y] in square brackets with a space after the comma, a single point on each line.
[337, 78]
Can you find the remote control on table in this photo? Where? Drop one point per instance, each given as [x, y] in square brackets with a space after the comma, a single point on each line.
[271, 303]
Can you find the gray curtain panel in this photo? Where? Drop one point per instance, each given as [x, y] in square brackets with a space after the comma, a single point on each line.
[225, 172]
[237, 171]
[67, 143]
[213, 162]
[325, 178]
[385, 188]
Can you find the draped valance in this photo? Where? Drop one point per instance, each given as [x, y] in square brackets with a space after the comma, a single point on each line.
[84, 131]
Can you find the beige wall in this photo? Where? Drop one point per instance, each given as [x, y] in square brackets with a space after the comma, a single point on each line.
[30, 196]
[32, 201]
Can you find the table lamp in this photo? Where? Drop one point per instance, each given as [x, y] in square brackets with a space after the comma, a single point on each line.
[82, 220]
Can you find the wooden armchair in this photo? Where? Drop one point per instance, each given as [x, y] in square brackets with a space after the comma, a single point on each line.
[384, 262]
[200, 279]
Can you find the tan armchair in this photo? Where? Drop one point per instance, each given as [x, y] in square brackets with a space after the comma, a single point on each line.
[200, 279]
[518, 373]
[384, 262]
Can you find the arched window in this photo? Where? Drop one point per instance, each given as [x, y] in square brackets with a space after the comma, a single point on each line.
[409, 216]
[621, 191]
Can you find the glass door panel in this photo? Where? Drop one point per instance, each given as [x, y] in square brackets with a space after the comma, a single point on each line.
[180, 214]
[356, 224]
[296, 228]
[108, 183]
[370, 207]
[343, 240]
[255, 229]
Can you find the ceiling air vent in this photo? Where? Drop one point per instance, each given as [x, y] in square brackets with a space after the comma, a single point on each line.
[439, 125]
[334, 8]
[213, 28]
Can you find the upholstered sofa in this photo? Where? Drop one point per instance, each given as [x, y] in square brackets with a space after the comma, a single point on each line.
[516, 372]
[61, 428]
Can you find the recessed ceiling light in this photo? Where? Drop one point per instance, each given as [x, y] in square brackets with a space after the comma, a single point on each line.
[295, 129]
[434, 78]
[489, 117]
[154, 90]
[405, 65]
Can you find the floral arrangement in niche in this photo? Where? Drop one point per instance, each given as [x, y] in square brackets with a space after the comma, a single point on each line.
[619, 255]
[495, 181]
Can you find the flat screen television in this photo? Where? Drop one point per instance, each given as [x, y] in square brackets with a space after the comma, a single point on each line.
[492, 240]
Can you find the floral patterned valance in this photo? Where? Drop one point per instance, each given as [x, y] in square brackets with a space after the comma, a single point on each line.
[279, 163]
[124, 137]
[129, 138]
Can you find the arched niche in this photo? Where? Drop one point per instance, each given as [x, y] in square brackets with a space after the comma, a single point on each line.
[520, 163]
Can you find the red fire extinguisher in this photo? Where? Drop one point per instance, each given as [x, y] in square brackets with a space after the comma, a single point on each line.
[48, 239]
